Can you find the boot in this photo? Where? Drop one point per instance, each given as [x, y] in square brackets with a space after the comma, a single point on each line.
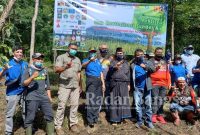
[29, 130]
[154, 118]
[161, 119]
[189, 117]
[50, 128]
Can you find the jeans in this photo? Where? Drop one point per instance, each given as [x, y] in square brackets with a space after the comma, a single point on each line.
[158, 95]
[143, 99]
[176, 107]
[12, 102]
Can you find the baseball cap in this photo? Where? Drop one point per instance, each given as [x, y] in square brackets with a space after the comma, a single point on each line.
[37, 55]
[190, 47]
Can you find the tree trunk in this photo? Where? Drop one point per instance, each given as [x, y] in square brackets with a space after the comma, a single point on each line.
[172, 29]
[6, 12]
[150, 38]
[33, 30]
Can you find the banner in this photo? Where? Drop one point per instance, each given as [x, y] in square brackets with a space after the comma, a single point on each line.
[117, 24]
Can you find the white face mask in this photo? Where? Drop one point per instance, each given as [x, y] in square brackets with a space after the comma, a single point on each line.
[17, 59]
[190, 52]
[178, 61]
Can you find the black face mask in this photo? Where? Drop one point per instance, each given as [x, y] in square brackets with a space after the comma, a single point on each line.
[104, 51]
[139, 60]
[120, 57]
[158, 57]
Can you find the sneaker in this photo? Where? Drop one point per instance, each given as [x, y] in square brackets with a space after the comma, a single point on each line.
[150, 125]
[161, 119]
[114, 124]
[154, 118]
[75, 129]
[138, 125]
[60, 131]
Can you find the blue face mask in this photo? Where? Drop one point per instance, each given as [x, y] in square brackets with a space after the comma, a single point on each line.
[190, 52]
[92, 55]
[72, 52]
[38, 64]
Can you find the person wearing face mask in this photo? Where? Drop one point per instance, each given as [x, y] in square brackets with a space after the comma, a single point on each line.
[141, 70]
[13, 71]
[190, 60]
[105, 59]
[177, 69]
[196, 78]
[69, 68]
[38, 95]
[95, 87]
[161, 81]
[119, 77]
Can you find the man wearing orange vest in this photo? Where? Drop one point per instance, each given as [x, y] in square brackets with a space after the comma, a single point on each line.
[161, 80]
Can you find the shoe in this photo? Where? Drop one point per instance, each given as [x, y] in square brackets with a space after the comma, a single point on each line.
[114, 124]
[8, 133]
[150, 125]
[138, 125]
[60, 131]
[177, 122]
[91, 128]
[75, 129]
[161, 119]
[154, 118]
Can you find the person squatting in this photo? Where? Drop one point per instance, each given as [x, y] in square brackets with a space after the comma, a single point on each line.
[152, 78]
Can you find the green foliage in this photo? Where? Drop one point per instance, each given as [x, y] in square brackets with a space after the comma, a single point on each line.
[18, 24]
[5, 51]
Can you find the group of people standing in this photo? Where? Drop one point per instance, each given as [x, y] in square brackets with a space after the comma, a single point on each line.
[109, 80]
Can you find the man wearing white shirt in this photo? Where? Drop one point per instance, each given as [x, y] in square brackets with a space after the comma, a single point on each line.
[190, 59]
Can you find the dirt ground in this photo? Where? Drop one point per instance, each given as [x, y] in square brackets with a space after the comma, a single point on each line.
[104, 128]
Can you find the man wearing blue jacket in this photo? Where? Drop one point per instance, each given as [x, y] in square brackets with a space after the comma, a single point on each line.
[13, 71]
[141, 70]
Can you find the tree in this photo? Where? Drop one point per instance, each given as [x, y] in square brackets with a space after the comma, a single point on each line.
[6, 12]
[5, 51]
[33, 29]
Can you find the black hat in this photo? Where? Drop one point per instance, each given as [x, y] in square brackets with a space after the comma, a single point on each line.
[119, 49]
[37, 55]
